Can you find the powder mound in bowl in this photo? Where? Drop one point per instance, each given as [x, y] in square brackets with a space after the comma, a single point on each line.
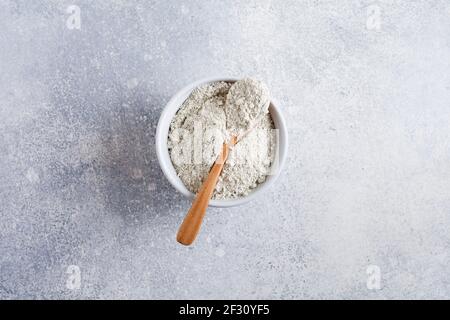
[197, 133]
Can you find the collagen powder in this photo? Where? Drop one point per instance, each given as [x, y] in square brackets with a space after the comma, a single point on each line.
[197, 133]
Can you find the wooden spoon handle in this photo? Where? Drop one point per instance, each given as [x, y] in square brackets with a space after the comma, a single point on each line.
[192, 222]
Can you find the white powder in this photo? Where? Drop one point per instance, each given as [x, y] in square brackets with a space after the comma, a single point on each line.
[199, 129]
[247, 99]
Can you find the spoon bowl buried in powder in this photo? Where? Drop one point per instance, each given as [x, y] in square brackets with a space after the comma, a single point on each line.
[247, 101]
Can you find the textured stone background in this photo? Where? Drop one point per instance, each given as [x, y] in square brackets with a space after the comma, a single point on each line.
[367, 181]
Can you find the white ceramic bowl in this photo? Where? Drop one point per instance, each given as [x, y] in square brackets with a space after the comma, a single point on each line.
[162, 133]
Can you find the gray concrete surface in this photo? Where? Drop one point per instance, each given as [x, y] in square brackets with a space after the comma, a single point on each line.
[362, 209]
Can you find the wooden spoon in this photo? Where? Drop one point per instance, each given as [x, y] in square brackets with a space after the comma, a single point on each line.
[192, 222]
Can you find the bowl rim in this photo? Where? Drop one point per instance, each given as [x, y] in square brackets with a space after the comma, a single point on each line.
[165, 162]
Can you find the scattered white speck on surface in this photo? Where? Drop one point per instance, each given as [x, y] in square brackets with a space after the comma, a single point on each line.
[32, 175]
[151, 186]
[137, 173]
[184, 9]
[220, 252]
[132, 83]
